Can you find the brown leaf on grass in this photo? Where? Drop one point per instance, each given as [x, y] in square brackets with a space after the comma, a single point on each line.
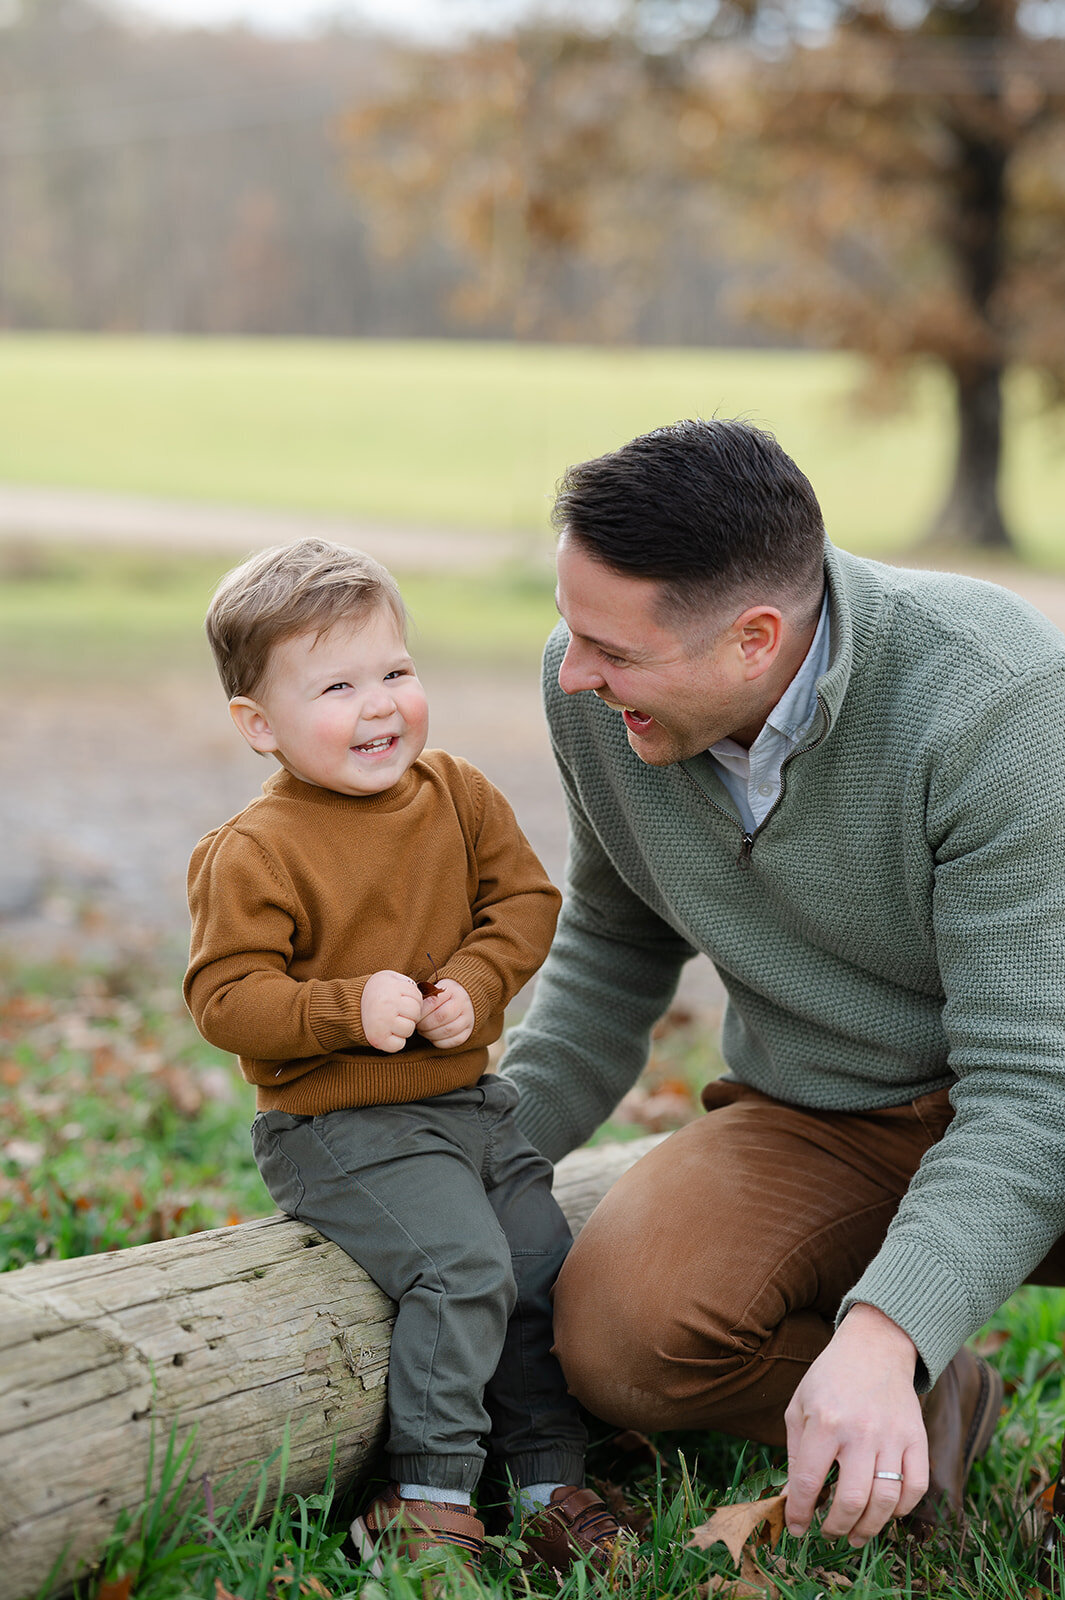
[754, 1522]
[657, 1111]
[114, 1588]
[182, 1088]
[991, 1343]
[286, 1576]
[751, 1583]
[636, 1521]
[222, 1593]
[676, 1018]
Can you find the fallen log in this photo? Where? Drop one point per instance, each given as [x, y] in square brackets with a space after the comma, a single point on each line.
[221, 1340]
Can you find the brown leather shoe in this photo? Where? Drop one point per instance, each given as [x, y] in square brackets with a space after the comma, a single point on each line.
[574, 1524]
[409, 1528]
[960, 1413]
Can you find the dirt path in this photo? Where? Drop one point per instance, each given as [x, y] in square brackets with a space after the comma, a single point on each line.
[108, 791]
[96, 518]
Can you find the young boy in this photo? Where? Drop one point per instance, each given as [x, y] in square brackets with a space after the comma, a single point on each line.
[356, 934]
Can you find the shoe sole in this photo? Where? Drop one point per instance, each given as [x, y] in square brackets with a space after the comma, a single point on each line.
[366, 1545]
[985, 1414]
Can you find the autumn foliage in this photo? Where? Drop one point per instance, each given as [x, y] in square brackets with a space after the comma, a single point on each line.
[891, 183]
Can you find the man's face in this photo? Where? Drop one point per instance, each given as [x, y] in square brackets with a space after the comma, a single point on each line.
[676, 694]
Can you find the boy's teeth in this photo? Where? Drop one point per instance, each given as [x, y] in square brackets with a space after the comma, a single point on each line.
[375, 744]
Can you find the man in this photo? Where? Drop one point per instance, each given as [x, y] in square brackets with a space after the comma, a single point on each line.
[844, 783]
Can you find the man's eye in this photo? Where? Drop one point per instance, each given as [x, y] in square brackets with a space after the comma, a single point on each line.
[611, 661]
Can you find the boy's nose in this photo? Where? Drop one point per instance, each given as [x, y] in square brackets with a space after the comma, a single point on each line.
[379, 702]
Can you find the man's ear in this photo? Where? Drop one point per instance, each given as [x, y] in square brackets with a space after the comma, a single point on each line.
[251, 722]
[759, 634]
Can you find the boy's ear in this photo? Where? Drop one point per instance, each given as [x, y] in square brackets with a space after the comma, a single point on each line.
[251, 722]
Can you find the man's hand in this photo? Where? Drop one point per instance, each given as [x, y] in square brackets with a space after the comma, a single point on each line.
[391, 1005]
[857, 1406]
[447, 1017]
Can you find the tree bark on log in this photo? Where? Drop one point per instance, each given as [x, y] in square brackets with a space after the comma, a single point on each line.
[224, 1338]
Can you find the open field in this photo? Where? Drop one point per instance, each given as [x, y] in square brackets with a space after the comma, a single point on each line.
[474, 436]
[118, 753]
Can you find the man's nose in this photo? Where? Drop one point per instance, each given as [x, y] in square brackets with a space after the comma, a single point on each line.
[578, 672]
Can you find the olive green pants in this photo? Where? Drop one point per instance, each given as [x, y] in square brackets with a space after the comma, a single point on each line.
[449, 1209]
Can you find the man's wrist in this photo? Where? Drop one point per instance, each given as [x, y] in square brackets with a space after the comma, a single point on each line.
[883, 1337]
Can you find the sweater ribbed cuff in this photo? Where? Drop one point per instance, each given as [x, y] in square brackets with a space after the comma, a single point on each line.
[479, 982]
[924, 1297]
[335, 1013]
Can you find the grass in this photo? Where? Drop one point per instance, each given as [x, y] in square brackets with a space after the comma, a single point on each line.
[104, 614]
[475, 435]
[121, 1125]
[227, 1541]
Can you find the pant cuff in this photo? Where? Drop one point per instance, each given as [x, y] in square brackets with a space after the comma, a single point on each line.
[545, 1466]
[438, 1472]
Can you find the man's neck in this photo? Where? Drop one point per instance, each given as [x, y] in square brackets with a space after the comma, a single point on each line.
[794, 648]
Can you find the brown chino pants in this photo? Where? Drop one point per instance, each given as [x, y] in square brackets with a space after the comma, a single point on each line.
[708, 1279]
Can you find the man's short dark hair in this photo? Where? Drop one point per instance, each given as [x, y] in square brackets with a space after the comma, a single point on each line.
[715, 510]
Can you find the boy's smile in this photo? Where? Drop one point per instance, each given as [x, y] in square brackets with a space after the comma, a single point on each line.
[342, 710]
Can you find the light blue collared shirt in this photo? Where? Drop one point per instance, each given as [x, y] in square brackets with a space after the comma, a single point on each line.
[752, 777]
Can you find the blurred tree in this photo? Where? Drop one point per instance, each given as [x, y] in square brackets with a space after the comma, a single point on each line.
[893, 171]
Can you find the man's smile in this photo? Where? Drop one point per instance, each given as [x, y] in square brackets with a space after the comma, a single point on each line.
[638, 721]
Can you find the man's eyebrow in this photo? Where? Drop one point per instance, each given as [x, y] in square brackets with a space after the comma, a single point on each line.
[607, 645]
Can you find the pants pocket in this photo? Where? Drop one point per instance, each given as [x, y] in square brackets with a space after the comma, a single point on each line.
[278, 1170]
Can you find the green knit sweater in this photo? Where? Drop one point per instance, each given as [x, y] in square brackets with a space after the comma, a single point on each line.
[897, 924]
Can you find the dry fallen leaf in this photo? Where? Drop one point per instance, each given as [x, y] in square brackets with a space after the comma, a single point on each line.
[626, 1513]
[991, 1343]
[751, 1583]
[114, 1588]
[286, 1576]
[751, 1521]
[832, 1580]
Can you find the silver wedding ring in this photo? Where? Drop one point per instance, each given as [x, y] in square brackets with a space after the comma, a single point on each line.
[895, 1477]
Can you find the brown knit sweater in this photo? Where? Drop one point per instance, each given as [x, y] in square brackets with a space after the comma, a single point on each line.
[305, 894]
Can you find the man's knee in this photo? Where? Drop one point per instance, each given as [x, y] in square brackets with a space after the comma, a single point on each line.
[630, 1357]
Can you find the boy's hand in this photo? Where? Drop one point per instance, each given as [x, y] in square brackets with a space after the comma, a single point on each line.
[447, 1018]
[391, 1005]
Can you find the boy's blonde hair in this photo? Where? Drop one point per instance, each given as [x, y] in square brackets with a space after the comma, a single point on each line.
[291, 589]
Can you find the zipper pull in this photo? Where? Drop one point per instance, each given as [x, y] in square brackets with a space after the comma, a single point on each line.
[744, 857]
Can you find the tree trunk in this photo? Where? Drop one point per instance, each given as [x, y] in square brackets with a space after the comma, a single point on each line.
[974, 234]
[972, 512]
[224, 1338]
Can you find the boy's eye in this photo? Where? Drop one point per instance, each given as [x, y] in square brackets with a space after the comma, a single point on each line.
[397, 672]
[333, 686]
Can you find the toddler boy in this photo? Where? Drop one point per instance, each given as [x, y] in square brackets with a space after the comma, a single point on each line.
[364, 867]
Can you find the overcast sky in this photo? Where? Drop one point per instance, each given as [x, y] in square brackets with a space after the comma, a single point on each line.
[428, 18]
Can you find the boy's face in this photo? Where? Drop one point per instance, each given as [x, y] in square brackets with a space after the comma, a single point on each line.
[342, 710]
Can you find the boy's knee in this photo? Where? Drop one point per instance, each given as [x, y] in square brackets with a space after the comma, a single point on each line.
[480, 1271]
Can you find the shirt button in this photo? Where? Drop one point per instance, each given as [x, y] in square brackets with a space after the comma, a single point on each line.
[766, 789]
